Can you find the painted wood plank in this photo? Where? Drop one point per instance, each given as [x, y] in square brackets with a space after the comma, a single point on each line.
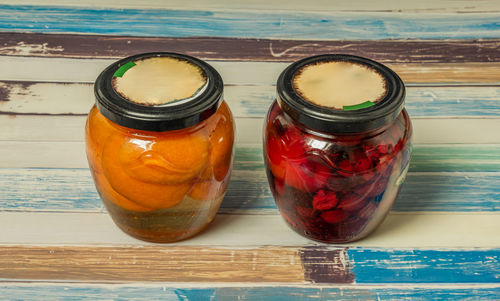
[38, 97]
[30, 98]
[432, 6]
[261, 24]
[257, 265]
[254, 101]
[414, 266]
[425, 158]
[452, 158]
[149, 263]
[399, 230]
[248, 49]
[71, 129]
[359, 293]
[459, 192]
[276, 292]
[49, 133]
[72, 190]
[256, 73]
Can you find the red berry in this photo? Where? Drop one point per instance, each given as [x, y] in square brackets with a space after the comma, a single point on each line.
[305, 212]
[399, 146]
[305, 176]
[279, 186]
[383, 149]
[364, 164]
[346, 169]
[316, 175]
[352, 202]
[274, 150]
[295, 176]
[325, 200]
[293, 143]
[334, 216]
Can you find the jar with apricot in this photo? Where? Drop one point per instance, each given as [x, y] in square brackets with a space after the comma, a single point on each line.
[159, 143]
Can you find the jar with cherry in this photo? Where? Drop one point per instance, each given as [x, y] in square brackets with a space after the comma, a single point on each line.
[337, 145]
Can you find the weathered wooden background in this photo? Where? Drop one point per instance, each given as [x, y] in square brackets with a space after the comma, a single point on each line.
[441, 240]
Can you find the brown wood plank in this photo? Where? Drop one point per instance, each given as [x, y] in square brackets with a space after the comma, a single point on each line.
[453, 73]
[152, 263]
[241, 49]
[326, 265]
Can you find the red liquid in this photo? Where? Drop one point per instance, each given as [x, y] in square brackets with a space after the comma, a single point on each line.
[335, 188]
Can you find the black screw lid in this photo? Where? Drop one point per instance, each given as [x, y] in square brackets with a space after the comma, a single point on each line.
[171, 116]
[331, 120]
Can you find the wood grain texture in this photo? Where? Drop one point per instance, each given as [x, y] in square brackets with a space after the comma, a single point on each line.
[256, 73]
[425, 158]
[429, 266]
[50, 133]
[440, 242]
[429, 6]
[168, 264]
[399, 230]
[72, 190]
[255, 292]
[448, 73]
[247, 49]
[43, 98]
[248, 24]
[326, 265]
[258, 265]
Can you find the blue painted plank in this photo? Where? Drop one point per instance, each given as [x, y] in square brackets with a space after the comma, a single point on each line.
[425, 266]
[453, 101]
[100, 292]
[420, 101]
[252, 101]
[73, 190]
[250, 24]
[14, 291]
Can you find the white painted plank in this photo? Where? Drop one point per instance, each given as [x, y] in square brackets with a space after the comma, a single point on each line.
[247, 101]
[87, 70]
[249, 130]
[42, 128]
[71, 128]
[62, 290]
[46, 98]
[233, 73]
[398, 231]
[58, 141]
[431, 6]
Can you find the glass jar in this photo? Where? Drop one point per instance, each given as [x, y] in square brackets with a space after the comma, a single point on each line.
[159, 144]
[337, 144]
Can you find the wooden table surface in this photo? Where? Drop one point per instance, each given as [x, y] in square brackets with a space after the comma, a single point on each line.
[441, 240]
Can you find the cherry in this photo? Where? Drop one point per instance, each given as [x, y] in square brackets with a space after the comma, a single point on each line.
[325, 200]
[352, 202]
[334, 216]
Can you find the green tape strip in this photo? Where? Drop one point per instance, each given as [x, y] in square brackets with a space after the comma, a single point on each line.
[363, 105]
[123, 69]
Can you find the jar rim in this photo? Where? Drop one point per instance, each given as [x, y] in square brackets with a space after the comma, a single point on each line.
[332, 120]
[162, 117]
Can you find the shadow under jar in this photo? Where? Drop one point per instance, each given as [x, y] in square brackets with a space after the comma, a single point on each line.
[337, 144]
[159, 144]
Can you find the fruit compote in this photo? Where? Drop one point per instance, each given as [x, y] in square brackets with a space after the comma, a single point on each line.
[159, 143]
[330, 185]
